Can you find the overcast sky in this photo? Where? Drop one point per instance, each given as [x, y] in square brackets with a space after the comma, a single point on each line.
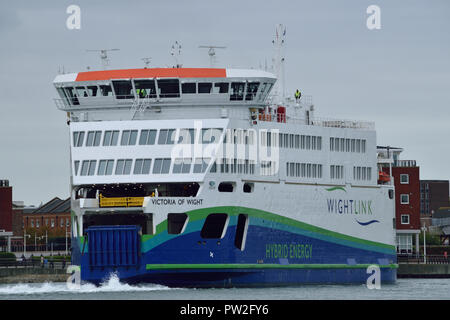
[398, 76]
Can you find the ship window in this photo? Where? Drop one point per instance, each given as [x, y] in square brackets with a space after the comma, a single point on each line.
[166, 136]
[78, 137]
[200, 165]
[76, 164]
[110, 138]
[148, 137]
[92, 165]
[93, 138]
[92, 90]
[186, 136]
[106, 90]
[123, 89]
[81, 91]
[214, 226]
[226, 187]
[261, 93]
[123, 166]
[176, 222]
[221, 87]
[128, 138]
[204, 87]
[84, 168]
[70, 91]
[105, 167]
[252, 88]
[161, 166]
[182, 166]
[188, 87]
[142, 166]
[248, 187]
[241, 231]
[211, 135]
[237, 91]
[145, 88]
[169, 88]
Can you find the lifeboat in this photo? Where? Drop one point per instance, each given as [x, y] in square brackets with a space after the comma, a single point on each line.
[383, 177]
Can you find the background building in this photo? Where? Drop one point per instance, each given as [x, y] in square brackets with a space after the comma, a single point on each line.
[434, 194]
[406, 179]
[5, 206]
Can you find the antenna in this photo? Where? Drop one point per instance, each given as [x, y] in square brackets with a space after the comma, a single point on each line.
[146, 61]
[278, 59]
[103, 56]
[176, 53]
[212, 53]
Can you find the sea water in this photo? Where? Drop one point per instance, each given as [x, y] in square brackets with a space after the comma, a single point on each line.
[113, 289]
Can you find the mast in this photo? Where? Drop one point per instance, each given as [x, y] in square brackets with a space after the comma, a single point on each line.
[278, 63]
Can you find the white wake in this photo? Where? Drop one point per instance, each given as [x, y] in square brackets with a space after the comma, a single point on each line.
[112, 284]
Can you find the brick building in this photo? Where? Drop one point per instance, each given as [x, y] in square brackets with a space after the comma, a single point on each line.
[406, 177]
[52, 219]
[434, 194]
[5, 206]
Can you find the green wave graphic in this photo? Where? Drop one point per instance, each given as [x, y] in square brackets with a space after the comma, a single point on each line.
[336, 188]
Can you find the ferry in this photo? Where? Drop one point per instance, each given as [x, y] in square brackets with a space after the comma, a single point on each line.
[199, 177]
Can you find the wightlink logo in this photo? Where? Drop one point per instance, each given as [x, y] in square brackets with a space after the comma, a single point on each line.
[350, 206]
[342, 206]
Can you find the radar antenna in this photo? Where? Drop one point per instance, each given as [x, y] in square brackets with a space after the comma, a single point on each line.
[103, 56]
[146, 61]
[176, 53]
[212, 53]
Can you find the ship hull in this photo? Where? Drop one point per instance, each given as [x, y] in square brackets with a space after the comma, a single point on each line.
[278, 251]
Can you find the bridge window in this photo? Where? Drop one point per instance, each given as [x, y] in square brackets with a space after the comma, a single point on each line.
[145, 88]
[142, 166]
[92, 90]
[70, 92]
[252, 89]
[128, 138]
[81, 92]
[166, 136]
[182, 166]
[106, 90]
[169, 88]
[148, 137]
[176, 222]
[204, 87]
[111, 138]
[161, 166]
[188, 87]
[221, 87]
[214, 226]
[237, 91]
[78, 138]
[123, 89]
